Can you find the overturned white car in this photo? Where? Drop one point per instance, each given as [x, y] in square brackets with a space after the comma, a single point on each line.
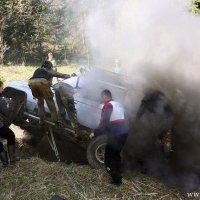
[87, 106]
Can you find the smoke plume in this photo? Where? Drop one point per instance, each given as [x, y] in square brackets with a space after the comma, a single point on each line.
[157, 43]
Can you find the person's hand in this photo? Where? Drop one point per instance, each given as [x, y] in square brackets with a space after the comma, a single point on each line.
[66, 76]
[73, 75]
[91, 135]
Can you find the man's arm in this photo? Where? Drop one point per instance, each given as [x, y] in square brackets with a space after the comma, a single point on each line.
[105, 119]
[53, 73]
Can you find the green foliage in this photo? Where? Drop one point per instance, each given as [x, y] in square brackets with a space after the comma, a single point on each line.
[29, 29]
[22, 28]
[196, 6]
[2, 78]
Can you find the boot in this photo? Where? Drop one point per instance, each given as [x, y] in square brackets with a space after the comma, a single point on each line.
[116, 178]
[61, 117]
[56, 197]
[41, 123]
[4, 158]
[77, 131]
[59, 124]
[11, 152]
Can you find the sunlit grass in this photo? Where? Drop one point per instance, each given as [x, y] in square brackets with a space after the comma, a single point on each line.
[8, 73]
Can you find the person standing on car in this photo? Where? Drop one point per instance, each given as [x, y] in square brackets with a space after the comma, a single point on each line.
[65, 100]
[112, 123]
[40, 84]
[5, 131]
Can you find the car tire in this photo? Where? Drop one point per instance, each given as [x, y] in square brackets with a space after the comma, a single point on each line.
[95, 152]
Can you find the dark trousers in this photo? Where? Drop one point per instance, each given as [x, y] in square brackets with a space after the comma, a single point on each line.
[7, 133]
[112, 161]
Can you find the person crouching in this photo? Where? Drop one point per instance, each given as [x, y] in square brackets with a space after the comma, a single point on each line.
[6, 132]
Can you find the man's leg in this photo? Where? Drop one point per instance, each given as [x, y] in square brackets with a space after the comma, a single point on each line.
[71, 110]
[115, 170]
[3, 156]
[36, 87]
[61, 107]
[121, 141]
[116, 145]
[9, 135]
[52, 108]
[1, 147]
[110, 160]
[66, 95]
[107, 158]
[48, 96]
[41, 111]
[3, 153]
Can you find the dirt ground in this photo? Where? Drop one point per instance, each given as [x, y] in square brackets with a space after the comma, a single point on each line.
[69, 151]
[18, 131]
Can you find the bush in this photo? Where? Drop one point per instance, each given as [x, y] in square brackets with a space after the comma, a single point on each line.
[2, 78]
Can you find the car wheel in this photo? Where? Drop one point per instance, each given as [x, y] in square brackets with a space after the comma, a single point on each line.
[95, 152]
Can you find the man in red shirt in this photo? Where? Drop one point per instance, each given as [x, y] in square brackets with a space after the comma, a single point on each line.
[112, 123]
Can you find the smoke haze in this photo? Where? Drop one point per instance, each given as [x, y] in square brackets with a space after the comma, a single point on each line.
[157, 43]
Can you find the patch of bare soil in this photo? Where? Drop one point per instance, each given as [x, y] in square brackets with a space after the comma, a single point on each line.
[18, 131]
[29, 145]
[69, 151]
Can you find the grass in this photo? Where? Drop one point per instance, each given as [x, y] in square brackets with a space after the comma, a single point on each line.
[35, 179]
[38, 179]
[8, 73]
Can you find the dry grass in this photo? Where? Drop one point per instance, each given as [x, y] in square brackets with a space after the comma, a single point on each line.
[38, 179]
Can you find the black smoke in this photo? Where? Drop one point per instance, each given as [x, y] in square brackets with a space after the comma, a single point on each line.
[157, 43]
[164, 138]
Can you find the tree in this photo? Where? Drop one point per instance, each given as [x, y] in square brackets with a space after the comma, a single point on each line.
[3, 45]
[22, 28]
[31, 28]
[66, 20]
[196, 6]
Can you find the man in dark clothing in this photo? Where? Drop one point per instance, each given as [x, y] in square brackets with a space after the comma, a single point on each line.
[40, 84]
[5, 131]
[65, 101]
[113, 124]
